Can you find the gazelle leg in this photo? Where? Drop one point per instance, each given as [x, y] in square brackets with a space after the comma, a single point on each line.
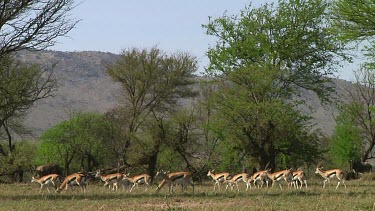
[338, 184]
[131, 188]
[324, 184]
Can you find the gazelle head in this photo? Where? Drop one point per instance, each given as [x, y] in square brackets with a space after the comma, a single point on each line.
[98, 174]
[318, 168]
[126, 176]
[210, 172]
[33, 179]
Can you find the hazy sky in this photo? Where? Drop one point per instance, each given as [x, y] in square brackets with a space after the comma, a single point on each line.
[171, 25]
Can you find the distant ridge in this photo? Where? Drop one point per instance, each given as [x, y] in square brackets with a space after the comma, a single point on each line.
[84, 86]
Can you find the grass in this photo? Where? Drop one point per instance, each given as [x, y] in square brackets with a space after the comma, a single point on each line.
[359, 195]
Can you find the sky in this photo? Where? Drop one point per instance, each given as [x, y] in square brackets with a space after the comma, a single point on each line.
[171, 25]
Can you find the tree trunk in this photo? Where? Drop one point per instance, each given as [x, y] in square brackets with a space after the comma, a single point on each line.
[266, 161]
[368, 151]
[152, 162]
[10, 145]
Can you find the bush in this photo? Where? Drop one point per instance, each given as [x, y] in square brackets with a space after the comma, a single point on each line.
[13, 165]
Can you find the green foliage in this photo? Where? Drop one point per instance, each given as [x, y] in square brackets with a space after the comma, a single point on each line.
[152, 83]
[151, 79]
[227, 157]
[48, 152]
[21, 159]
[292, 38]
[260, 126]
[78, 142]
[266, 56]
[20, 86]
[346, 144]
[360, 109]
[170, 160]
[352, 21]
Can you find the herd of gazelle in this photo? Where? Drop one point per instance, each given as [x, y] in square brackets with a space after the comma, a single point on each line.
[292, 178]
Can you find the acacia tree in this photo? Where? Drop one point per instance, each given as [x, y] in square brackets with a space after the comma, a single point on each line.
[256, 125]
[33, 24]
[80, 142]
[152, 82]
[210, 139]
[347, 139]
[174, 141]
[353, 22]
[361, 109]
[20, 86]
[184, 138]
[27, 25]
[272, 52]
[292, 38]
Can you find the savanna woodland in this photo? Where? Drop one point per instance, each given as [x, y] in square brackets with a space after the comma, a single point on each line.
[243, 114]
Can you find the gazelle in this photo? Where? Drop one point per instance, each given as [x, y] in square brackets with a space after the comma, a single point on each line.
[73, 179]
[285, 175]
[110, 179]
[259, 176]
[327, 175]
[183, 178]
[237, 178]
[140, 179]
[218, 178]
[47, 180]
[299, 176]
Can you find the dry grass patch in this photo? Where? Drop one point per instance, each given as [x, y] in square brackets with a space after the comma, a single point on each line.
[358, 196]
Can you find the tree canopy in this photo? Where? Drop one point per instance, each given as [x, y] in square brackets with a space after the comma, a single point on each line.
[266, 56]
[21, 85]
[33, 24]
[152, 83]
[80, 142]
[292, 37]
[27, 25]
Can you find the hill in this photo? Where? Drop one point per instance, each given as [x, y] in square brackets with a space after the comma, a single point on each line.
[84, 86]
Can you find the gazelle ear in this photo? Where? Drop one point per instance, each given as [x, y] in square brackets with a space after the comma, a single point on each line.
[213, 170]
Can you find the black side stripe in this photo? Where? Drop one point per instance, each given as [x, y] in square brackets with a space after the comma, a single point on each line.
[139, 179]
[331, 174]
[47, 179]
[222, 176]
[238, 178]
[178, 177]
[278, 176]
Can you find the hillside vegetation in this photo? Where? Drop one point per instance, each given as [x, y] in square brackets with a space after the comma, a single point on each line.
[84, 86]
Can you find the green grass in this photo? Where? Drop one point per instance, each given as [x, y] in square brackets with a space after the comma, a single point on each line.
[359, 195]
